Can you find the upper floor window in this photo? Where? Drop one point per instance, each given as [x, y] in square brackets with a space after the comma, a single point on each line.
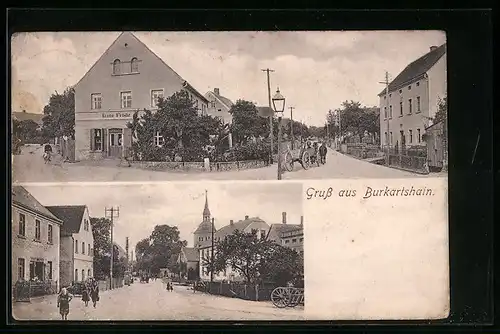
[126, 99]
[22, 225]
[390, 111]
[418, 103]
[134, 65]
[86, 225]
[419, 136]
[410, 106]
[409, 87]
[156, 94]
[76, 246]
[159, 140]
[411, 135]
[83, 247]
[385, 112]
[417, 84]
[88, 251]
[96, 101]
[117, 66]
[50, 235]
[401, 108]
[38, 230]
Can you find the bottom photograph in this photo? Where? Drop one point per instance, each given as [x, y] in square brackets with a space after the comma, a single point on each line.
[163, 251]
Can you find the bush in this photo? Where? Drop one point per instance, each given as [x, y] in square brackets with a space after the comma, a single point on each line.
[258, 150]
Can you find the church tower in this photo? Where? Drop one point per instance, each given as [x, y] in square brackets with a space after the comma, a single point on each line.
[203, 234]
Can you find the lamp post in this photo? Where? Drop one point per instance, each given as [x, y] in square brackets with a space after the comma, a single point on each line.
[279, 108]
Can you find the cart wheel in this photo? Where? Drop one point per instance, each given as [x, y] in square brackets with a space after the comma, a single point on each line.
[294, 298]
[288, 162]
[280, 297]
[306, 160]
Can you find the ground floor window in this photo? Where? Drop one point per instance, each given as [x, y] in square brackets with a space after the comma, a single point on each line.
[89, 273]
[96, 139]
[20, 268]
[83, 274]
[76, 275]
[49, 270]
[37, 270]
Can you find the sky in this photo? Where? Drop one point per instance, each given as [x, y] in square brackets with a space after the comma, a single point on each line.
[315, 71]
[143, 206]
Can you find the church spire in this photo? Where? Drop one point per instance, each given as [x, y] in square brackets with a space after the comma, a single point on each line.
[206, 210]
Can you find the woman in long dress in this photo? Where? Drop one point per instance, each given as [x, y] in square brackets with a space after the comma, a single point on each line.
[63, 303]
[94, 292]
[86, 294]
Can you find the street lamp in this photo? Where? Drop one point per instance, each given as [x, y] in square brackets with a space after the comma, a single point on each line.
[279, 108]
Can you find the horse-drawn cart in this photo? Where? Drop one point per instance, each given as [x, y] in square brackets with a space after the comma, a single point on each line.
[306, 156]
[287, 297]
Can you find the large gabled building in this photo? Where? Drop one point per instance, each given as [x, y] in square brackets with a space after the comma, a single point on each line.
[128, 77]
[412, 99]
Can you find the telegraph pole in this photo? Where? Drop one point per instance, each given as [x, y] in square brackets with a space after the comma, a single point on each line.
[291, 125]
[386, 82]
[267, 70]
[111, 213]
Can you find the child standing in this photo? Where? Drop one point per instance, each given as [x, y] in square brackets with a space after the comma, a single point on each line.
[63, 303]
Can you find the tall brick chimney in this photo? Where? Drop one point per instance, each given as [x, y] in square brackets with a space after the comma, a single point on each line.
[246, 217]
[433, 48]
[301, 220]
[231, 222]
[283, 217]
[216, 91]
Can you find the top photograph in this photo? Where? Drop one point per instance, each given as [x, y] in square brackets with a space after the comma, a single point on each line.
[288, 105]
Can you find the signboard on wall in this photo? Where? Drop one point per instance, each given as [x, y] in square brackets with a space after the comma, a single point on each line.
[117, 114]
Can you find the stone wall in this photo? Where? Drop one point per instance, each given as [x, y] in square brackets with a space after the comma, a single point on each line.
[198, 166]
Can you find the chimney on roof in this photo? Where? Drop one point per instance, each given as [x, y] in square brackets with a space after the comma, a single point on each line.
[216, 91]
[24, 111]
[231, 222]
[246, 217]
[301, 220]
[433, 48]
[283, 215]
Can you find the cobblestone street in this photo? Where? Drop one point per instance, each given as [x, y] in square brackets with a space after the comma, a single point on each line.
[29, 167]
[151, 301]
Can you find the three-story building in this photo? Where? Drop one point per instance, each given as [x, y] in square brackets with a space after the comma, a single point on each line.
[412, 100]
[77, 243]
[127, 78]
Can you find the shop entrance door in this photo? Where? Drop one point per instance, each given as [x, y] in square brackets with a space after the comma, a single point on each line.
[115, 143]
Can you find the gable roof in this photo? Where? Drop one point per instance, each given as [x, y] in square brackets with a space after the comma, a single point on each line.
[417, 68]
[128, 33]
[205, 227]
[23, 198]
[239, 225]
[223, 100]
[25, 116]
[191, 254]
[71, 215]
[279, 229]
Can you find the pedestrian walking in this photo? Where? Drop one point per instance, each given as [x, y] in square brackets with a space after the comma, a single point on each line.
[86, 294]
[322, 152]
[63, 301]
[94, 292]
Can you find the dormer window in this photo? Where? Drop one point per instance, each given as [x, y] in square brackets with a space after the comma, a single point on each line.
[134, 65]
[116, 66]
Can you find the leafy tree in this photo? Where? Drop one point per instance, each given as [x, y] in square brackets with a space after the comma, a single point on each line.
[154, 252]
[247, 123]
[185, 133]
[254, 258]
[101, 229]
[354, 118]
[442, 113]
[59, 119]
